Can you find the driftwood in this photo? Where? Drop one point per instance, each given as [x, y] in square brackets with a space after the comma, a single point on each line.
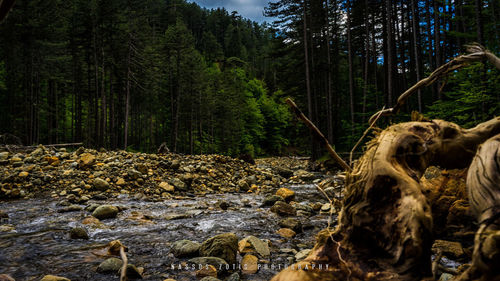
[385, 229]
[385, 225]
[483, 184]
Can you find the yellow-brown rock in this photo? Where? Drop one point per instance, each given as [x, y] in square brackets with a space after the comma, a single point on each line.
[286, 193]
[86, 160]
[249, 264]
[207, 270]
[286, 233]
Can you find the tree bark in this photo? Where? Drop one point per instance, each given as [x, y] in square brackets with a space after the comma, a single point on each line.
[390, 84]
[416, 32]
[349, 54]
[484, 194]
[308, 79]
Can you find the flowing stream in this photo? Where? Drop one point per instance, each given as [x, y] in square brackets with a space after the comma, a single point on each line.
[34, 240]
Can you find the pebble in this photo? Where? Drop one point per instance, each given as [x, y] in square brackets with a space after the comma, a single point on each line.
[54, 278]
[105, 212]
[100, 184]
[207, 270]
[249, 264]
[286, 193]
[78, 233]
[302, 254]
[185, 248]
[110, 265]
[223, 246]
[283, 209]
[286, 232]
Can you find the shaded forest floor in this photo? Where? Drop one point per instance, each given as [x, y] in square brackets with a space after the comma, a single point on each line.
[60, 210]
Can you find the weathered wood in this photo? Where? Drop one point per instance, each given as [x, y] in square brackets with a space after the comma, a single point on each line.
[385, 225]
[123, 273]
[318, 134]
[483, 184]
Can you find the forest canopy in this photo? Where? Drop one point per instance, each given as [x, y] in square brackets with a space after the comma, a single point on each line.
[135, 74]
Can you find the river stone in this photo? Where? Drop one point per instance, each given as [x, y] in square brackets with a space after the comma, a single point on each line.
[78, 233]
[133, 174]
[302, 254]
[86, 160]
[209, 278]
[177, 183]
[249, 264]
[105, 212]
[286, 233]
[100, 184]
[270, 200]
[286, 193]
[450, 249]
[291, 223]
[223, 246]
[243, 185]
[284, 172]
[166, 186]
[304, 175]
[215, 261]
[4, 155]
[234, 277]
[54, 278]
[283, 209]
[111, 265]
[208, 270]
[5, 277]
[185, 248]
[253, 244]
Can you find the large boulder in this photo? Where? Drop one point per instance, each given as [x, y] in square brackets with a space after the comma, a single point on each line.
[223, 246]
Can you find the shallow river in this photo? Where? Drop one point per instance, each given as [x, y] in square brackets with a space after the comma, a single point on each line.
[38, 242]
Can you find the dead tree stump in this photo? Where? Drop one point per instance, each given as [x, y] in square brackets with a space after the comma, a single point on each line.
[385, 225]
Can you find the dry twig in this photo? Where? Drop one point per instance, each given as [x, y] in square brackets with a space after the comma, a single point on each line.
[123, 273]
[318, 133]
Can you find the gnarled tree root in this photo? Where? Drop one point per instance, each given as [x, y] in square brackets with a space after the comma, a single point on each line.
[385, 225]
[483, 184]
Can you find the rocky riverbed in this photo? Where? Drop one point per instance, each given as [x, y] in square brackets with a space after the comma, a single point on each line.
[181, 217]
[61, 210]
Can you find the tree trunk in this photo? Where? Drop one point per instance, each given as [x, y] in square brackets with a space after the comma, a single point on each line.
[390, 84]
[308, 79]
[437, 42]
[329, 95]
[385, 225]
[349, 54]
[479, 21]
[127, 97]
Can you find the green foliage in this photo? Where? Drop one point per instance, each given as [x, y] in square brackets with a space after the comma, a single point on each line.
[471, 97]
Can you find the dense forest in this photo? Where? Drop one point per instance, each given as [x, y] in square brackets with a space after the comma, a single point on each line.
[134, 74]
